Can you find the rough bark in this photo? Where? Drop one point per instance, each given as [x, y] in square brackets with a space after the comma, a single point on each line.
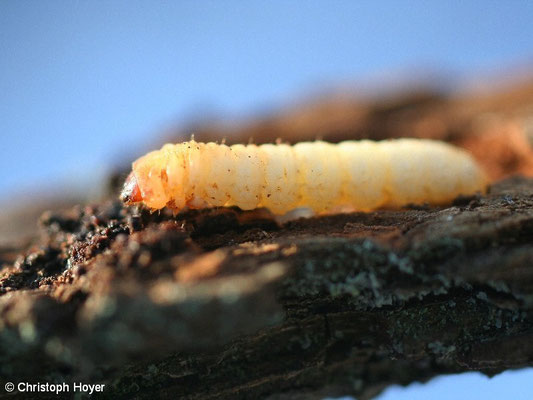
[228, 304]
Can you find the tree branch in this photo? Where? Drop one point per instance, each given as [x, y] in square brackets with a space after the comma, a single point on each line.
[230, 304]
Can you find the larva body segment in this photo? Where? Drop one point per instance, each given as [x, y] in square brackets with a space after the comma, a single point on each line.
[281, 191]
[357, 175]
[320, 175]
[366, 171]
[249, 176]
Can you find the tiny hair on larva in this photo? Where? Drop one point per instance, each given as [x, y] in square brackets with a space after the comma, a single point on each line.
[352, 175]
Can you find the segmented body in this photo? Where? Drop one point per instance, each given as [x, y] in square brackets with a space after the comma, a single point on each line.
[359, 175]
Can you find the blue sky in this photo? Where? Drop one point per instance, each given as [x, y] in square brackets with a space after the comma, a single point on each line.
[516, 385]
[82, 80]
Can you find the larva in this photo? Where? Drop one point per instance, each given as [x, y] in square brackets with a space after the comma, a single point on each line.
[357, 175]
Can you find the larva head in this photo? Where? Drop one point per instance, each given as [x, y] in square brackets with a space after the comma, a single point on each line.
[131, 193]
[157, 179]
[146, 182]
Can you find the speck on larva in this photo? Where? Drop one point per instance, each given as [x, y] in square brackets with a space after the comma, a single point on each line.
[352, 175]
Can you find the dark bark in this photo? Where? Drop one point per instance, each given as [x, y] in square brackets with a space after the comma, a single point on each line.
[230, 304]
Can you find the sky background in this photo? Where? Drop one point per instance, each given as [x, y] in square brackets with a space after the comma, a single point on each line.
[84, 82]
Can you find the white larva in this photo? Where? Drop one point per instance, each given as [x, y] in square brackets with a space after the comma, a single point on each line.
[357, 175]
